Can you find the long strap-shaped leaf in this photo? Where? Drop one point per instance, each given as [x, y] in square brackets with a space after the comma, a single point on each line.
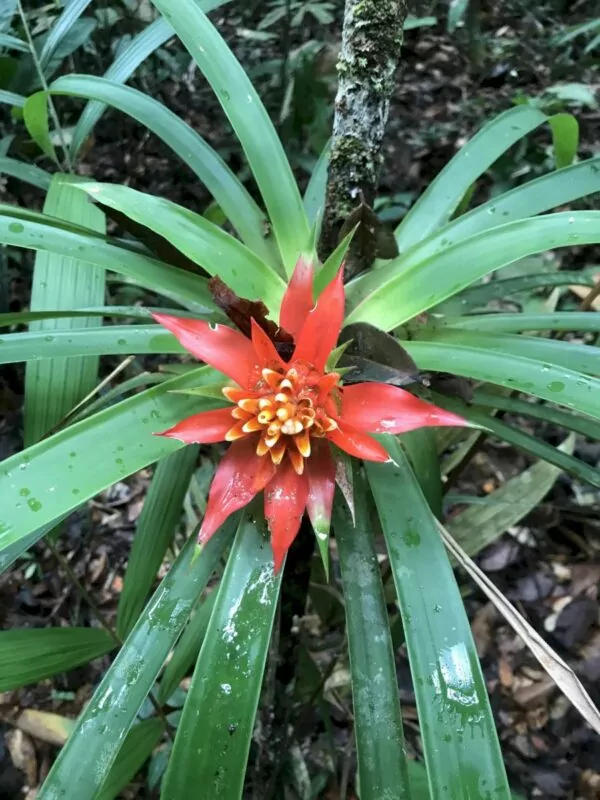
[123, 67]
[552, 190]
[378, 724]
[154, 532]
[557, 321]
[55, 385]
[459, 736]
[84, 762]
[421, 279]
[25, 172]
[60, 29]
[577, 357]
[202, 241]
[213, 737]
[236, 202]
[66, 469]
[436, 205]
[250, 122]
[22, 228]
[28, 656]
[554, 383]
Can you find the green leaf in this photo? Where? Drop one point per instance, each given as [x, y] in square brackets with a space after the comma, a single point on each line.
[236, 202]
[22, 228]
[53, 386]
[480, 525]
[154, 533]
[456, 13]
[228, 677]
[477, 297]
[331, 266]
[13, 42]
[250, 122]
[84, 762]
[66, 469]
[553, 383]
[557, 416]
[35, 117]
[126, 63]
[437, 204]
[377, 720]
[25, 172]
[11, 99]
[187, 648]
[404, 288]
[202, 241]
[10, 554]
[565, 135]
[30, 655]
[60, 29]
[314, 196]
[525, 442]
[109, 340]
[137, 747]
[136, 312]
[458, 731]
[577, 357]
[555, 321]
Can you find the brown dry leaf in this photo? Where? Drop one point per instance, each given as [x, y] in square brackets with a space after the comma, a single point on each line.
[534, 694]
[22, 753]
[560, 672]
[481, 628]
[583, 292]
[43, 725]
[241, 311]
[505, 673]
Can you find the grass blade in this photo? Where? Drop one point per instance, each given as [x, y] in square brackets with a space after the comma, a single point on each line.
[421, 279]
[84, 762]
[556, 384]
[378, 724]
[28, 173]
[480, 525]
[60, 29]
[22, 228]
[235, 201]
[157, 523]
[137, 747]
[250, 122]
[90, 455]
[511, 323]
[228, 676]
[202, 241]
[53, 386]
[29, 655]
[460, 742]
[437, 204]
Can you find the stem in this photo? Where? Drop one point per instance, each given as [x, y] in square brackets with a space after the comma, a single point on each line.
[371, 43]
[51, 107]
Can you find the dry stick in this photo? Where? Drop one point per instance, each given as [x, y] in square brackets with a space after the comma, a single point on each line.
[371, 42]
[44, 82]
[560, 672]
[83, 592]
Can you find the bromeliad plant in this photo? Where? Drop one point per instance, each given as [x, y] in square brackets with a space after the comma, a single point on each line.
[287, 413]
[291, 407]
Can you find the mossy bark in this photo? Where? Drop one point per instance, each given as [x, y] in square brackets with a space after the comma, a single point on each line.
[371, 43]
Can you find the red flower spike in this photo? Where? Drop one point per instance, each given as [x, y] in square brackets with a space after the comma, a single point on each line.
[284, 414]
[264, 347]
[380, 408]
[321, 487]
[285, 501]
[204, 428]
[219, 346]
[358, 444]
[239, 477]
[322, 326]
[298, 298]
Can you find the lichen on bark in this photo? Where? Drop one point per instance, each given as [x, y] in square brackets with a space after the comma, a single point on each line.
[371, 43]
